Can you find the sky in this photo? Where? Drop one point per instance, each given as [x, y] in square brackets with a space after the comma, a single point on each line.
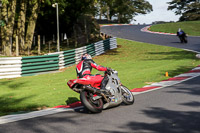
[159, 13]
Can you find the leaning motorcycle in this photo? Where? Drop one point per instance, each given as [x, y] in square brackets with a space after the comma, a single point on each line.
[94, 100]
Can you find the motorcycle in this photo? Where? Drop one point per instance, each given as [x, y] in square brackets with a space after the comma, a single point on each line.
[183, 39]
[94, 100]
[182, 36]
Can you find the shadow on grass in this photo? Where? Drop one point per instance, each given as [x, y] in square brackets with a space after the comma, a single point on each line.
[178, 70]
[10, 104]
[71, 100]
[113, 51]
[11, 85]
[173, 55]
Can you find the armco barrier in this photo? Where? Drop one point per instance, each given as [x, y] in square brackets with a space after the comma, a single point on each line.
[37, 64]
[12, 67]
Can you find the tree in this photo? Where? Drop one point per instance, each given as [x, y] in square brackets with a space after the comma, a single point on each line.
[24, 18]
[124, 10]
[8, 15]
[188, 9]
[128, 9]
[20, 26]
[35, 4]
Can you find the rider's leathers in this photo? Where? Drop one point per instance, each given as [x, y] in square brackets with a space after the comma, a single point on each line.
[84, 69]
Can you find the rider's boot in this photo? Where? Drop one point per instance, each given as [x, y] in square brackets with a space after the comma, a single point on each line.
[103, 86]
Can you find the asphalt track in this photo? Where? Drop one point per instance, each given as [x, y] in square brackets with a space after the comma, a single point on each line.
[174, 108]
[134, 33]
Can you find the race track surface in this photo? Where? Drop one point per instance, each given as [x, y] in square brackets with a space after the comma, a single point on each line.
[134, 33]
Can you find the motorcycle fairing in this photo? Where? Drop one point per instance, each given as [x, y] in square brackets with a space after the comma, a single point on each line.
[79, 67]
[87, 80]
[113, 86]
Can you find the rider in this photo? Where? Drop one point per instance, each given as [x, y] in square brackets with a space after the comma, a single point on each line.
[84, 69]
[181, 34]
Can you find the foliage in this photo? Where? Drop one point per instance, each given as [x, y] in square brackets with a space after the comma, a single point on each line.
[189, 9]
[27, 19]
[192, 28]
[124, 10]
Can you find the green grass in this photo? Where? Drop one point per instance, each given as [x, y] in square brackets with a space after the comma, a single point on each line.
[190, 27]
[137, 64]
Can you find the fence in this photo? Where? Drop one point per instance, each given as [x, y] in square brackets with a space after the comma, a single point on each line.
[12, 67]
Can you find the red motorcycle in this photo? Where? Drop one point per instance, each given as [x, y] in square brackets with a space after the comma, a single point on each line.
[95, 100]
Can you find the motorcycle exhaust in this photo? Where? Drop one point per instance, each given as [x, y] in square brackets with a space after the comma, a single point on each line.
[94, 90]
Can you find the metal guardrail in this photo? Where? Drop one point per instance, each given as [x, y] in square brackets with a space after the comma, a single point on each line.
[13, 67]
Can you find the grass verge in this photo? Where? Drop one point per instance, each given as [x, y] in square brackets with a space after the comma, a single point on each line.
[190, 27]
[138, 64]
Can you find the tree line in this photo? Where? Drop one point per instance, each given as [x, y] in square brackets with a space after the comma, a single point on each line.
[24, 18]
[188, 9]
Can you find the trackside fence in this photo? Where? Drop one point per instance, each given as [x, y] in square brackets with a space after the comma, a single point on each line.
[12, 67]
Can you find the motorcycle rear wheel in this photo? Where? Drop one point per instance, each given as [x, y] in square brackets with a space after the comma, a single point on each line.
[95, 106]
[127, 96]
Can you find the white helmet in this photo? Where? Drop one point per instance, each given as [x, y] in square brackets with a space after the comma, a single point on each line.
[86, 56]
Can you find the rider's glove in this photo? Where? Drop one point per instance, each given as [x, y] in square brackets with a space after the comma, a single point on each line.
[109, 70]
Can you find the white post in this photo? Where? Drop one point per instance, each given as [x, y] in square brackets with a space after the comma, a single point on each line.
[58, 37]
[43, 40]
[39, 45]
[10, 45]
[17, 46]
[53, 38]
[65, 38]
[57, 16]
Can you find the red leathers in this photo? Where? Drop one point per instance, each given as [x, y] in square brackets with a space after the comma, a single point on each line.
[84, 68]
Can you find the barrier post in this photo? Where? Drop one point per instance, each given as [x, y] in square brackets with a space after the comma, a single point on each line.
[11, 45]
[49, 46]
[43, 40]
[38, 44]
[17, 46]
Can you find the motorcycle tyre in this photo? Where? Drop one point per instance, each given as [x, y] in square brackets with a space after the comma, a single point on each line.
[185, 40]
[88, 105]
[124, 99]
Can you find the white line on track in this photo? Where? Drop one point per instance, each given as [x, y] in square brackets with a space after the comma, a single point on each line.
[18, 117]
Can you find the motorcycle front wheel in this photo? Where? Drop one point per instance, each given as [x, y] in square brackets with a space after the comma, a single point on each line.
[127, 95]
[95, 106]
